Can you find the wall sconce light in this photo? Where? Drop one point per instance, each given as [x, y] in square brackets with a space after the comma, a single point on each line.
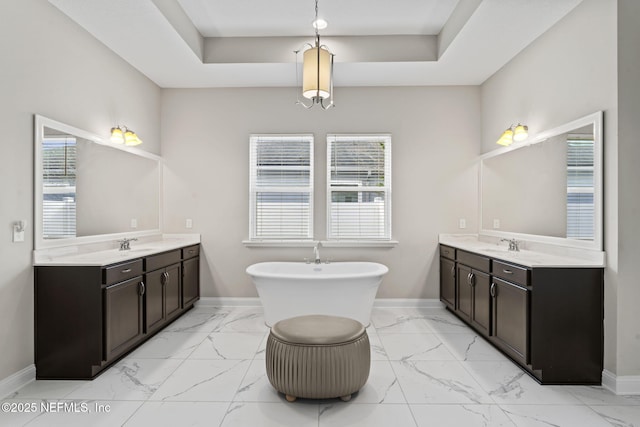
[317, 70]
[513, 133]
[123, 135]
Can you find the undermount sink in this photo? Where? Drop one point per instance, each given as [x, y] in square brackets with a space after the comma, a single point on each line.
[133, 250]
[498, 250]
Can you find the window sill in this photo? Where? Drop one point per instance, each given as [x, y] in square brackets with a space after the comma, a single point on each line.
[278, 243]
[324, 243]
[360, 243]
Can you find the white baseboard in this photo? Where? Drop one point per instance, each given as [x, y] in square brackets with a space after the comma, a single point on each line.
[407, 303]
[379, 302]
[228, 301]
[16, 381]
[623, 385]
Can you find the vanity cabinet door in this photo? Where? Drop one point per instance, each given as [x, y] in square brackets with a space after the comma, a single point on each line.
[463, 292]
[448, 282]
[191, 281]
[123, 316]
[511, 318]
[164, 296]
[173, 290]
[481, 308]
[154, 300]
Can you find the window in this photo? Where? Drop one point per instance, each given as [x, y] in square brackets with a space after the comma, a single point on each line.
[281, 187]
[580, 187]
[59, 187]
[359, 187]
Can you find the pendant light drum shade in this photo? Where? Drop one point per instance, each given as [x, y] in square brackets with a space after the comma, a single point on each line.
[316, 73]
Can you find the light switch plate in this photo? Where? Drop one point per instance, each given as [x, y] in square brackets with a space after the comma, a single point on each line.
[188, 223]
[462, 223]
[134, 223]
[496, 223]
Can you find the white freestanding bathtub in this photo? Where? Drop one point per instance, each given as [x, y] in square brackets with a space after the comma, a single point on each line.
[289, 289]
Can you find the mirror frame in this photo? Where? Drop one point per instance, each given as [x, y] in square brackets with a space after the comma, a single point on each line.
[38, 242]
[594, 119]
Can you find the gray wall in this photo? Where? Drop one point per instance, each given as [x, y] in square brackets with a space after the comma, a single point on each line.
[569, 72]
[205, 144]
[52, 67]
[628, 226]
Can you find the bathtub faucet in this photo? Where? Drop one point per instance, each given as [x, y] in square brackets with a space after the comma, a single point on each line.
[316, 252]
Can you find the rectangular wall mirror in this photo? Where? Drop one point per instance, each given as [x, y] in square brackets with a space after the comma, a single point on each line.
[89, 190]
[547, 189]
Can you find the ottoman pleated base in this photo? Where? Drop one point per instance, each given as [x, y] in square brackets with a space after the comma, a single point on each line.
[318, 357]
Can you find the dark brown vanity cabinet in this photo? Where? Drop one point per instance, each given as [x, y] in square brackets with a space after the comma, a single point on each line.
[123, 313]
[190, 275]
[473, 290]
[123, 296]
[448, 276]
[549, 320]
[163, 299]
[87, 317]
[510, 309]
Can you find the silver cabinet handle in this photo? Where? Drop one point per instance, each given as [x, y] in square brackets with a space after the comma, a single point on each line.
[142, 288]
[507, 271]
[165, 277]
[492, 291]
[128, 270]
[192, 251]
[453, 271]
[472, 279]
[469, 279]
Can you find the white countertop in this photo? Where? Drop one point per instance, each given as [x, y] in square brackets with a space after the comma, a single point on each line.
[109, 253]
[557, 257]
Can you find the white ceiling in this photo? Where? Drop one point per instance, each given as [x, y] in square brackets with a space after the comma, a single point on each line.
[240, 18]
[216, 43]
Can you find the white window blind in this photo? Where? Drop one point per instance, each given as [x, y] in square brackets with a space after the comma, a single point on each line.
[281, 187]
[59, 187]
[359, 187]
[580, 187]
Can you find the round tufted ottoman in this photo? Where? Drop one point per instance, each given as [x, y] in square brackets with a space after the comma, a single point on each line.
[318, 357]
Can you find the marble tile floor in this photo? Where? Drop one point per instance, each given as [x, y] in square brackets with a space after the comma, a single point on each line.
[207, 368]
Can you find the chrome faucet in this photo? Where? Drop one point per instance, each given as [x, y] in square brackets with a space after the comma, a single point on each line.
[125, 244]
[513, 244]
[316, 252]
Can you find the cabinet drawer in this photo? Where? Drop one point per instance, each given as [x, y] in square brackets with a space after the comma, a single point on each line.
[119, 272]
[512, 273]
[474, 261]
[190, 251]
[447, 252]
[155, 262]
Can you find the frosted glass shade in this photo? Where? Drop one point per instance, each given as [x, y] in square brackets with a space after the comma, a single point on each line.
[117, 136]
[506, 139]
[520, 133]
[130, 138]
[316, 73]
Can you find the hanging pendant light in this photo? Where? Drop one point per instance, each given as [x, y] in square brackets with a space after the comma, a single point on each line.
[317, 70]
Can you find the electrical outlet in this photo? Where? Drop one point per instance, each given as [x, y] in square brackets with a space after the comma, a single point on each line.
[18, 231]
[134, 223]
[496, 223]
[462, 223]
[188, 223]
